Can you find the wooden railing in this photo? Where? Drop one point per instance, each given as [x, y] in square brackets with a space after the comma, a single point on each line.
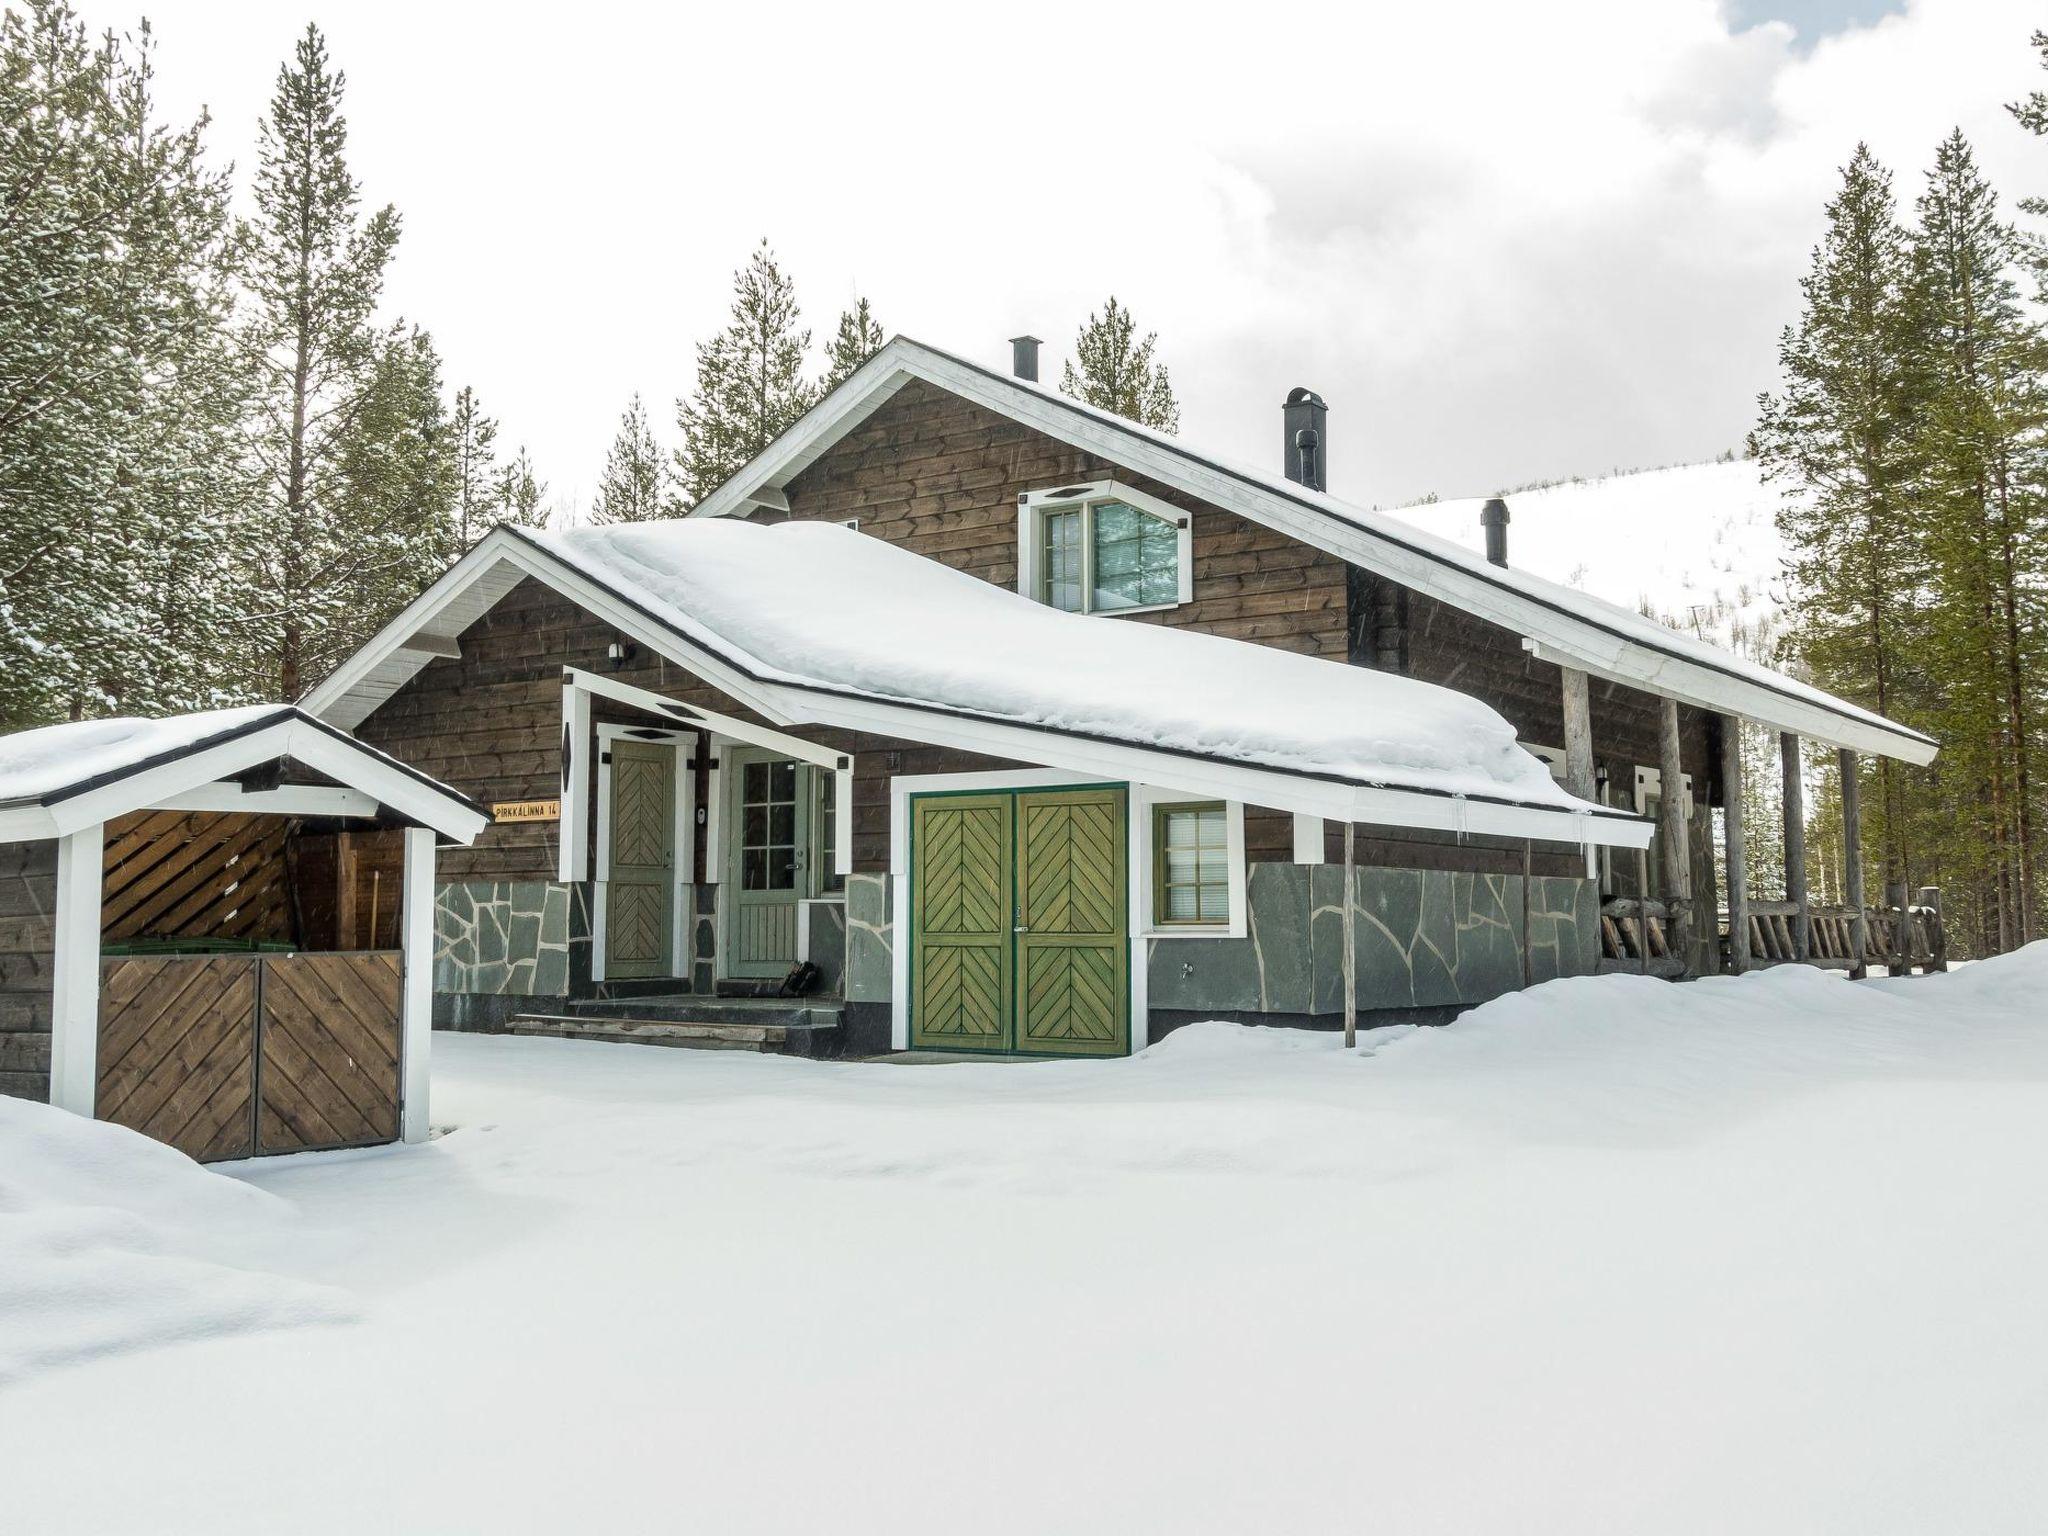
[1634, 936]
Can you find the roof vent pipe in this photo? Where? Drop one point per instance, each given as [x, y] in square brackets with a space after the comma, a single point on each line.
[1493, 517]
[1305, 423]
[1024, 357]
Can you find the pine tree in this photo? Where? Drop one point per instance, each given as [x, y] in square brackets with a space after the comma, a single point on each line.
[521, 495]
[1839, 439]
[635, 484]
[1116, 372]
[750, 384]
[314, 275]
[857, 339]
[112, 499]
[479, 485]
[1986, 493]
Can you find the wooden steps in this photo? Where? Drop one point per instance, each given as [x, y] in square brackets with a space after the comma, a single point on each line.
[770, 1038]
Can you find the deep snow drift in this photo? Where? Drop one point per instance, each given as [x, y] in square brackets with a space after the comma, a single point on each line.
[1613, 1255]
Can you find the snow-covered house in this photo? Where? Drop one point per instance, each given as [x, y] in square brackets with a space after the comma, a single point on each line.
[1099, 777]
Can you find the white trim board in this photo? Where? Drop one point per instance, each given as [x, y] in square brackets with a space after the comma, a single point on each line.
[1570, 628]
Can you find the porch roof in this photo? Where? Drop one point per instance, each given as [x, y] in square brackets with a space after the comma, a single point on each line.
[58, 779]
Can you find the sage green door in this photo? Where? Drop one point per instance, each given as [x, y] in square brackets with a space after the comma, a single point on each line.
[640, 898]
[960, 895]
[1019, 922]
[766, 867]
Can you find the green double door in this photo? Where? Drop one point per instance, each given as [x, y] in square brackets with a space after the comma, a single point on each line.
[1019, 922]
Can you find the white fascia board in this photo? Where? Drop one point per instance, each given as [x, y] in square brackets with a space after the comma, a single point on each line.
[362, 769]
[325, 699]
[1274, 788]
[26, 824]
[151, 785]
[1580, 643]
[1703, 688]
[813, 432]
[286, 800]
[689, 714]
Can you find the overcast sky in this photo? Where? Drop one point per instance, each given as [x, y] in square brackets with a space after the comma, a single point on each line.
[1506, 241]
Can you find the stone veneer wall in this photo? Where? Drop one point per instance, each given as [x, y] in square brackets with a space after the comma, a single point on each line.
[527, 938]
[1426, 939]
[870, 940]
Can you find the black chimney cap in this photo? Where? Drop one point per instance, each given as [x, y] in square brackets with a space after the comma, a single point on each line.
[1493, 517]
[1303, 396]
[1024, 357]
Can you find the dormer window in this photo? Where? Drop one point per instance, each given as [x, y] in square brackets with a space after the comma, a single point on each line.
[1103, 548]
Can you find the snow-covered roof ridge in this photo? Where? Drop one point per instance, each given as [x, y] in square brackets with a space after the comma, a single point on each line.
[1560, 622]
[896, 626]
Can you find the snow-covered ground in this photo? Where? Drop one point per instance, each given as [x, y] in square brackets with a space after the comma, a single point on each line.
[1756, 1255]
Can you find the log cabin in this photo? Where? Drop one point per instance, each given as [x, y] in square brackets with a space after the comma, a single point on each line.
[1022, 729]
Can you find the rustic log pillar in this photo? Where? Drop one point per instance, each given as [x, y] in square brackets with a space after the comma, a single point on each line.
[1350, 938]
[1937, 935]
[1852, 866]
[1902, 928]
[1795, 847]
[1736, 843]
[1528, 895]
[1578, 735]
[1677, 870]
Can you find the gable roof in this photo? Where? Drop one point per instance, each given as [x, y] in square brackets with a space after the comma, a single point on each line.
[60, 778]
[903, 646]
[1557, 623]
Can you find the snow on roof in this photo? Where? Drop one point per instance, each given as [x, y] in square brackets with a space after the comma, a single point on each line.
[1695, 545]
[38, 765]
[895, 626]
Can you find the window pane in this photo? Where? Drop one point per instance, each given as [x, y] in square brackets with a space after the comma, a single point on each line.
[1062, 560]
[754, 781]
[1215, 903]
[756, 831]
[1194, 866]
[781, 868]
[754, 869]
[782, 781]
[1137, 558]
[1181, 905]
[782, 824]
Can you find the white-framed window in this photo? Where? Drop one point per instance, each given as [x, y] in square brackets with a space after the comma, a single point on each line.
[1190, 865]
[1103, 547]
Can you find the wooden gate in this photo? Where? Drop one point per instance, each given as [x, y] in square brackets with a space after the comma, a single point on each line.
[226, 1056]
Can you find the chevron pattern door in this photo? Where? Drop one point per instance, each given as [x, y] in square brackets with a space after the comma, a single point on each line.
[640, 899]
[1073, 954]
[1019, 930]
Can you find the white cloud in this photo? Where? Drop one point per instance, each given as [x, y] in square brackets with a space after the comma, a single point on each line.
[1504, 240]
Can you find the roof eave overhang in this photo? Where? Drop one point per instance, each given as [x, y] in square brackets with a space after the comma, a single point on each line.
[1551, 632]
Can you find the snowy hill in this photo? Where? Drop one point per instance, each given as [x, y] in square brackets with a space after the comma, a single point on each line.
[1697, 545]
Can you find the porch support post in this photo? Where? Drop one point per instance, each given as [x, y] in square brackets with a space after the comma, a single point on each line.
[1852, 865]
[1737, 845]
[1795, 846]
[1671, 829]
[1350, 939]
[1578, 734]
[573, 857]
[1528, 896]
[75, 983]
[1308, 840]
[416, 998]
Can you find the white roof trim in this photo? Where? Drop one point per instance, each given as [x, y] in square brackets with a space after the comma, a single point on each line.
[193, 773]
[786, 703]
[1551, 617]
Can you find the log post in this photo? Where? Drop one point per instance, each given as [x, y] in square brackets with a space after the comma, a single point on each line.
[1578, 735]
[1852, 866]
[1528, 893]
[1902, 928]
[1671, 830]
[1795, 847]
[1737, 845]
[1643, 907]
[1937, 935]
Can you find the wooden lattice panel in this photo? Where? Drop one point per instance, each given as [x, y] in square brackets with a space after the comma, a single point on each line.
[195, 874]
[330, 1051]
[177, 1050]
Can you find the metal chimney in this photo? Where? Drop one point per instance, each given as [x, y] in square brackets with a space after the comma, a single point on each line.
[1305, 423]
[1024, 357]
[1493, 517]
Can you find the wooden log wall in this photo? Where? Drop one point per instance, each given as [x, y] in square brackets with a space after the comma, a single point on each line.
[196, 874]
[28, 949]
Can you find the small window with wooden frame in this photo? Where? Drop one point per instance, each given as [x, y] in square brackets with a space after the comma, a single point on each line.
[1190, 865]
[1103, 547]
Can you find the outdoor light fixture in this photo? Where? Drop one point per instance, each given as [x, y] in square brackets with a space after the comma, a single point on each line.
[619, 652]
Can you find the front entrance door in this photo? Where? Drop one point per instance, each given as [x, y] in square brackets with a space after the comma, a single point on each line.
[1019, 918]
[640, 899]
[768, 864]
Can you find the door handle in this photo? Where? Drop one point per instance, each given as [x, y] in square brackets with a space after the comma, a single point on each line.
[1021, 928]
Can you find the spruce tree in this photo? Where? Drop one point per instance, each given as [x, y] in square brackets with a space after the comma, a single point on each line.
[1116, 371]
[1987, 531]
[521, 494]
[314, 275]
[1838, 439]
[479, 485]
[750, 384]
[635, 484]
[113, 389]
[858, 338]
